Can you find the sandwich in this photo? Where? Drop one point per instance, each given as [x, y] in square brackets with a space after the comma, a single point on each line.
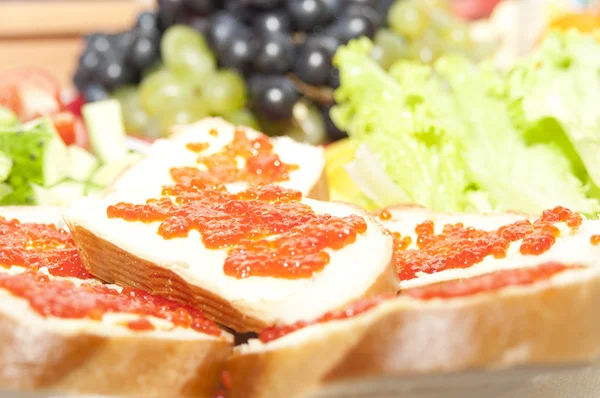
[476, 292]
[64, 330]
[221, 153]
[248, 260]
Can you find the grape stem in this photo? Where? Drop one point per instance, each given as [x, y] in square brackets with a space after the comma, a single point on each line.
[322, 95]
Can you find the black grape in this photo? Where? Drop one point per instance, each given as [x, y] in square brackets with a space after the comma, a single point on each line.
[366, 11]
[277, 98]
[326, 41]
[275, 54]
[89, 63]
[224, 26]
[168, 10]
[351, 27]
[202, 7]
[114, 72]
[238, 53]
[307, 14]
[270, 22]
[145, 52]
[263, 4]
[313, 65]
[200, 23]
[147, 21]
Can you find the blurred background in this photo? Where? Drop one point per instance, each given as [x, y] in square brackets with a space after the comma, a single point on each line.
[271, 59]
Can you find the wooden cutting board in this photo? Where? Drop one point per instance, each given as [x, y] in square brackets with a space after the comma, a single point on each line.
[48, 33]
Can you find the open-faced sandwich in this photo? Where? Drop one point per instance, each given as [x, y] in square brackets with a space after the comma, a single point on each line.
[61, 329]
[220, 153]
[476, 292]
[249, 260]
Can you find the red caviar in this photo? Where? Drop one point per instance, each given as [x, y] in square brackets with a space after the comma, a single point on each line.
[197, 146]
[354, 309]
[489, 282]
[213, 132]
[458, 246]
[63, 299]
[446, 290]
[385, 215]
[267, 230]
[140, 324]
[595, 240]
[261, 165]
[39, 245]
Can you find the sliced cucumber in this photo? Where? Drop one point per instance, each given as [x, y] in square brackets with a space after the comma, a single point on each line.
[44, 196]
[6, 164]
[67, 191]
[104, 123]
[5, 190]
[93, 191]
[38, 153]
[7, 117]
[108, 172]
[82, 164]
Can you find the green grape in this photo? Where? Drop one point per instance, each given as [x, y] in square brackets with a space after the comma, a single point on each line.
[242, 117]
[408, 19]
[162, 88]
[426, 49]
[135, 117]
[458, 38]
[389, 47]
[186, 54]
[224, 92]
[310, 124]
[153, 128]
[191, 111]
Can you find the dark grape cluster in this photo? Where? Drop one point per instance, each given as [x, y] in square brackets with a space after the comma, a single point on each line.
[110, 61]
[282, 48]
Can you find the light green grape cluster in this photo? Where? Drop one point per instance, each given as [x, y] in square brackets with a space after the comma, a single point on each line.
[423, 30]
[187, 87]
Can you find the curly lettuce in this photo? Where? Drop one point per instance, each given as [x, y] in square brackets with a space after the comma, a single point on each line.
[459, 137]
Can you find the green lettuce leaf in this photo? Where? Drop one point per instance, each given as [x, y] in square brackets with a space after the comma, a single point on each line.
[398, 135]
[555, 93]
[447, 137]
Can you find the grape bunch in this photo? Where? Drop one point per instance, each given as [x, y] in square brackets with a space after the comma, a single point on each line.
[423, 30]
[110, 61]
[283, 48]
[262, 63]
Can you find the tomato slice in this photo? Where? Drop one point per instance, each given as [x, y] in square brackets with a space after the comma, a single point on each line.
[30, 93]
[71, 129]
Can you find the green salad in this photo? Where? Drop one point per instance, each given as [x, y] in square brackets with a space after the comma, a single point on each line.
[38, 168]
[459, 136]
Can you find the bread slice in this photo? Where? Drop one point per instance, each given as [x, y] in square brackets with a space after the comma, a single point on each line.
[153, 172]
[183, 269]
[98, 356]
[571, 246]
[406, 343]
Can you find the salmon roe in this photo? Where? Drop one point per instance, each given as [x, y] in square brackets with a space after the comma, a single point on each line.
[354, 309]
[63, 299]
[595, 240]
[385, 215]
[446, 290]
[489, 282]
[261, 164]
[266, 229]
[458, 246]
[197, 146]
[39, 245]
